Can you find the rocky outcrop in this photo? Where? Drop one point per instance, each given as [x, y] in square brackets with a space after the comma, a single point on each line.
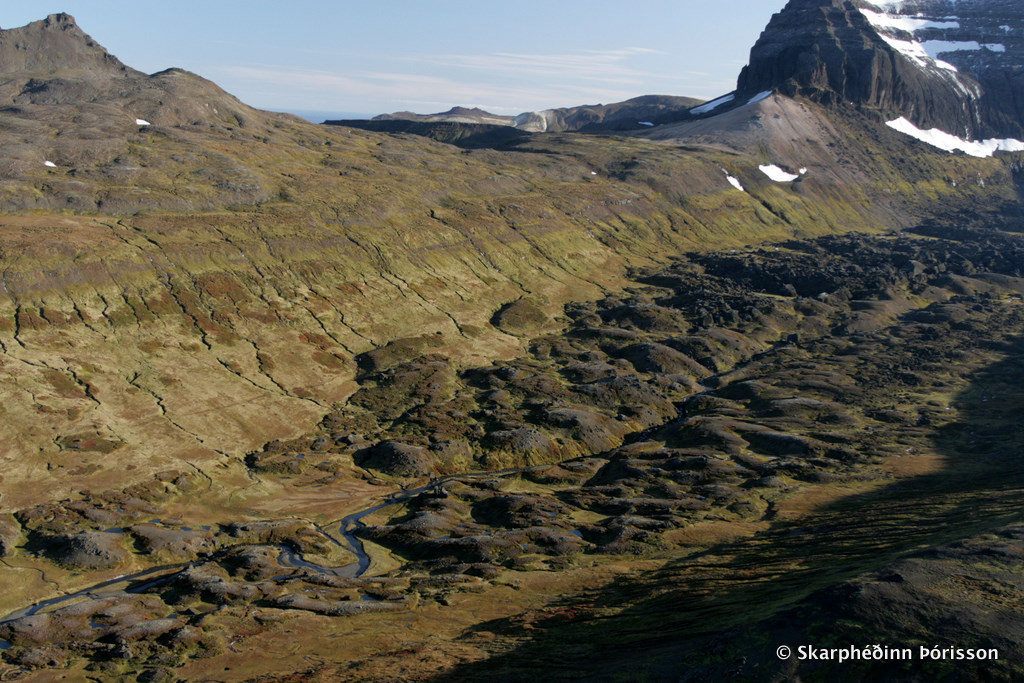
[955, 66]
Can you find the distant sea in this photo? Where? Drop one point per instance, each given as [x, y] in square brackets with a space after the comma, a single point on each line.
[321, 116]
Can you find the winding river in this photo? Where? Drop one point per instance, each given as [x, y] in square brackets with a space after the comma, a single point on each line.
[142, 581]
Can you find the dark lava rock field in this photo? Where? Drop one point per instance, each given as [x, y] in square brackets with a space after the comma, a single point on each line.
[720, 389]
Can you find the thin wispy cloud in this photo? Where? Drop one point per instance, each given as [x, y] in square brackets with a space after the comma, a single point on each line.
[501, 82]
[412, 88]
[590, 64]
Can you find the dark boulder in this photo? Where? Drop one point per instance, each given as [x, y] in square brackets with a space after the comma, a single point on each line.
[520, 317]
[87, 550]
[397, 458]
[522, 442]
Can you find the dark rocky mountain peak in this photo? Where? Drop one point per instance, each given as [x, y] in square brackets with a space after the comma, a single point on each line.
[55, 45]
[957, 66]
[55, 74]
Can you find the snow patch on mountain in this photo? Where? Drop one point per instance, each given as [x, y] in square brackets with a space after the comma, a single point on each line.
[908, 24]
[951, 143]
[937, 47]
[892, 27]
[713, 104]
[734, 181]
[916, 52]
[777, 174]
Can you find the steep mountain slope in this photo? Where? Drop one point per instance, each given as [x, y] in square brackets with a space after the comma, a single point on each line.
[955, 66]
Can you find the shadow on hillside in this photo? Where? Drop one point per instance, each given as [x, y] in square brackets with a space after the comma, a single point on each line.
[652, 626]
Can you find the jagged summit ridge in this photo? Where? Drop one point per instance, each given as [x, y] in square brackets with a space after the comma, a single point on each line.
[56, 45]
[957, 66]
[55, 75]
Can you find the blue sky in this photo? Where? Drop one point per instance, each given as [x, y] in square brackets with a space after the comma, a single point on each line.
[426, 56]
